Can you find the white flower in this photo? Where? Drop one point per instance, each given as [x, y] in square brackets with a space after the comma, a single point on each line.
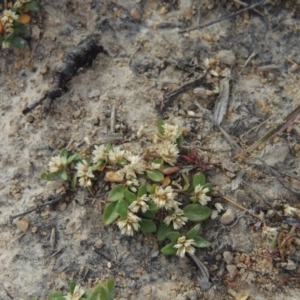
[154, 166]
[100, 153]
[177, 218]
[139, 204]
[132, 184]
[183, 245]
[9, 17]
[115, 155]
[200, 194]
[77, 293]
[219, 207]
[57, 163]
[289, 210]
[20, 3]
[129, 224]
[136, 166]
[171, 132]
[168, 152]
[85, 173]
[164, 198]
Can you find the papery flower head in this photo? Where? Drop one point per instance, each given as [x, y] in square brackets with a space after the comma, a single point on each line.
[100, 153]
[164, 197]
[57, 163]
[128, 225]
[200, 194]
[177, 218]
[168, 151]
[77, 293]
[132, 183]
[115, 155]
[289, 210]
[9, 17]
[136, 166]
[183, 245]
[85, 173]
[140, 204]
[171, 132]
[20, 3]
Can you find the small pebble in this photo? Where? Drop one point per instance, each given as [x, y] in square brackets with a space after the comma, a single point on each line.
[94, 93]
[23, 224]
[226, 57]
[109, 265]
[228, 257]
[30, 119]
[136, 14]
[63, 207]
[228, 216]
[232, 270]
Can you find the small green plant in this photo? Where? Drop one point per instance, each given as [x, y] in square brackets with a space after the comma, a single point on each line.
[13, 21]
[102, 291]
[149, 192]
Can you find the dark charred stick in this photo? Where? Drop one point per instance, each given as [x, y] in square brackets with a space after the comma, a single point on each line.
[51, 202]
[224, 17]
[84, 53]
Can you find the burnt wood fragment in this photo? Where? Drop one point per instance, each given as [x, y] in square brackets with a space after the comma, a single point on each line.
[84, 53]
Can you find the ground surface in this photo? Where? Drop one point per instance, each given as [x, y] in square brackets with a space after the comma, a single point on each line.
[143, 41]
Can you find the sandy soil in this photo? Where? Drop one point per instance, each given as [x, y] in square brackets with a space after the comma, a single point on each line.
[144, 45]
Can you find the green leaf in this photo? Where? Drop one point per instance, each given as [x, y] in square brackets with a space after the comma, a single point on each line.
[18, 42]
[111, 288]
[152, 189]
[179, 140]
[152, 206]
[72, 287]
[5, 44]
[197, 212]
[193, 232]
[63, 153]
[74, 181]
[50, 176]
[32, 6]
[19, 29]
[104, 293]
[194, 199]
[199, 178]
[169, 249]
[155, 175]
[147, 226]
[160, 125]
[173, 236]
[142, 190]
[201, 242]
[63, 175]
[96, 292]
[74, 157]
[121, 208]
[56, 296]
[129, 196]
[117, 193]
[148, 214]
[162, 231]
[110, 214]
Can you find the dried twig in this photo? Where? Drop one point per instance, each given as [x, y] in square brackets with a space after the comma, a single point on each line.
[228, 16]
[55, 200]
[113, 119]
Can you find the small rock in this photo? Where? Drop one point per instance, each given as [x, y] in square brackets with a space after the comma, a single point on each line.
[290, 265]
[226, 57]
[77, 114]
[99, 244]
[228, 216]
[154, 254]
[228, 257]
[109, 265]
[232, 270]
[95, 121]
[192, 295]
[63, 207]
[136, 14]
[23, 224]
[30, 119]
[94, 93]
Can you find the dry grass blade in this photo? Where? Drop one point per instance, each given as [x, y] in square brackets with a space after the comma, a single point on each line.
[289, 120]
[222, 101]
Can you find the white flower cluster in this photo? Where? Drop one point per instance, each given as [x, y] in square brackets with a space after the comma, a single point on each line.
[20, 3]
[183, 245]
[8, 19]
